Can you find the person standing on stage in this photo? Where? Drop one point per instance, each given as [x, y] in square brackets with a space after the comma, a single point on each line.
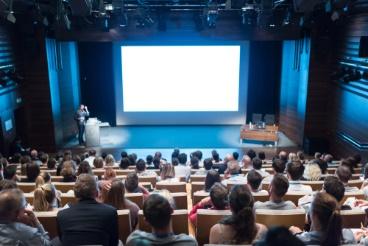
[81, 117]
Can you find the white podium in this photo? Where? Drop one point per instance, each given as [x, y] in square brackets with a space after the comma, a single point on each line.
[92, 132]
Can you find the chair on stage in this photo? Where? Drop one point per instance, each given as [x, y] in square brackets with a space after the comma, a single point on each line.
[179, 222]
[269, 119]
[257, 118]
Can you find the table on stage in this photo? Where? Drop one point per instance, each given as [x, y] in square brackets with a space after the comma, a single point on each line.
[268, 134]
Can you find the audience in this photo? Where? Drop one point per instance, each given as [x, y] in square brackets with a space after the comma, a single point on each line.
[157, 212]
[240, 227]
[215, 157]
[211, 178]
[254, 180]
[278, 188]
[7, 184]
[68, 172]
[257, 165]
[110, 160]
[295, 170]
[44, 197]
[124, 163]
[98, 162]
[132, 185]
[277, 236]
[10, 172]
[88, 222]
[312, 172]
[168, 173]
[32, 171]
[141, 170]
[233, 174]
[207, 164]
[344, 174]
[18, 224]
[182, 170]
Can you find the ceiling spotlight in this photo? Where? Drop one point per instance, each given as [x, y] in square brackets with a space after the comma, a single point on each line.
[6, 9]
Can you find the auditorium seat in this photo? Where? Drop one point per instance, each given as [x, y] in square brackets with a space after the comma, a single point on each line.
[151, 179]
[197, 178]
[206, 218]
[137, 198]
[64, 187]
[179, 221]
[171, 186]
[124, 224]
[261, 197]
[230, 184]
[181, 200]
[65, 198]
[292, 217]
[245, 170]
[197, 186]
[352, 218]
[146, 185]
[357, 194]
[26, 187]
[198, 196]
[294, 196]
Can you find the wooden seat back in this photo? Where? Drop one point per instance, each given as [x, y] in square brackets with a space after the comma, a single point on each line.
[287, 218]
[172, 186]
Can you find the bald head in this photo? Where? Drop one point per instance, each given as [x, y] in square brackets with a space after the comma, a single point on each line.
[11, 201]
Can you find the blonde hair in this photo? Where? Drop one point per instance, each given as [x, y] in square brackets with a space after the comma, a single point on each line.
[44, 195]
[293, 157]
[312, 172]
[110, 160]
[39, 181]
[167, 171]
[109, 173]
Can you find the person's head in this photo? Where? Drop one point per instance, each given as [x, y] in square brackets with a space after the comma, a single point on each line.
[183, 158]
[295, 170]
[123, 154]
[156, 162]
[124, 163]
[292, 157]
[279, 235]
[167, 171]
[278, 187]
[32, 171]
[51, 163]
[322, 165]
[278, 165]
[242, 220]
[140, 166]
[212, 177]
[254, 180]
[246, 161]
[349, 163]
[175, 154]
[333, 186]
[175, 161]
[235, 155]
[207, 163]
[317, 155]
[7, 184]
[325, 218]
[328, 158]
[42, 179]
[157, 212]
[343, 173]
[257, 163]
[12, 204]
[215, 156]
[44, 158]
[43, 197]
[92, 152]
[98, 162]
[218, 195]
[110, 160]
[158, 155]
[233, 167]
[81, 107]
[10, 172]
[261, 155]
[68, 170]
[251, 153]
[300, 155]
[84, 167]
[194, 162]
[116, 195]
[85, 187]
[149, 159]
[109, 173]
[197, 154]
[34, 154]
[131, 182]
[25, 159]
[283, 155]
[312, 172]
[104, 155]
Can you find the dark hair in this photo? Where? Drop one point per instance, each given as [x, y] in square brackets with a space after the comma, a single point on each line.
[254, 179]
[157, 211]
[156, 162]
[51, 163]
[10, 171]
[207, 163]
[158, 155]
[295, 169]
[183, 158]
[7, 184]
[116, 195]
[218, 194]
[333, 186]
[279, 235]
[242, 219]
[349, 163]
[251, 153]
[103, 155]
[25, 159]
[32, 171]
[212, 177]
[149, 159]
[326, 209]
[16, 158]
[175, 161]
[257, 163]
[44, 158]
[77, 160]
[132, 160]
[280, 185]
[124, 163]
[141, 165]
[197, 154]
[175, 154]
[235, 155]
[343, 173]
[215, 156]
[194, 162]
[123, 154]
[300, 155]
[84, 167]
[278, 165]
[261, 155]
[131, 182]
[322, 165]
[98, 162]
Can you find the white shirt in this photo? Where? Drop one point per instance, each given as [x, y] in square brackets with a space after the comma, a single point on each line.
[182, 171]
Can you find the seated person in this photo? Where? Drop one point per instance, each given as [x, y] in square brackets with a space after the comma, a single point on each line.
[207, 164]
[141, 170]
[212, 177]
[88, 222]
[19, 225]
[278, 166]
[241, 226]
[68, 172]
[279, 235]
[257, 165]
[10, 172]
[132, 185]
[157, 212]
[7, 184]
[312, 172]
[295, 170]
[254, 182]
[168, 173]
[246, 162]
[233, 174]
[344, 174]
[278, 189]
[217, 200]
[326, 224]
[44, 197]
[182, 170]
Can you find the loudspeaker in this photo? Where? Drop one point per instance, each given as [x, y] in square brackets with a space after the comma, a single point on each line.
[302, 6]
[312, 145]
[363, 46]
[81, 7]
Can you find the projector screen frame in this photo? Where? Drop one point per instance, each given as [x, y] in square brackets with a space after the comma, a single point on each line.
[182, 118]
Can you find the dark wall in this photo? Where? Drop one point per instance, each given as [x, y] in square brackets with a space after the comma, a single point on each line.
[96, 79]
[264, 78]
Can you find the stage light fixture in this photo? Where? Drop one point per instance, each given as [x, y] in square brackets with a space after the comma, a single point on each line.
[6, 9]
[249, 15]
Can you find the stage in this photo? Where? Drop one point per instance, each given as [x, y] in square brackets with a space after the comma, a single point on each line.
[147, 139]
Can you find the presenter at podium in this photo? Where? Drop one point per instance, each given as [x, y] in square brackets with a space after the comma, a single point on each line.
[81, 117]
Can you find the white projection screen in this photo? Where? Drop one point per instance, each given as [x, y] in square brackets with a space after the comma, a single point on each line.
[180, 84]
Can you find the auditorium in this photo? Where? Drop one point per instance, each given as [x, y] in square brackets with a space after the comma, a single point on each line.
[183, 122]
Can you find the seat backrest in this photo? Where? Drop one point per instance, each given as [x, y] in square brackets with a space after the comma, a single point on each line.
[196, 186]
[269, 119]
[206, 218]
[256, 118]
[357, 194]
[197, 178]
[124, 224]
[67, 198]
[198, 196]
[26, 187]
[179, 220]
[137, 198]
[151, 179]
[294, 196]
[352, 218]
[287, 218]
[261, 197]
[181, 200]
[48, 221]
[231, 184]
[356, 183]
[172, 186]
[316, 185]
[64, 187]
[146, 185]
